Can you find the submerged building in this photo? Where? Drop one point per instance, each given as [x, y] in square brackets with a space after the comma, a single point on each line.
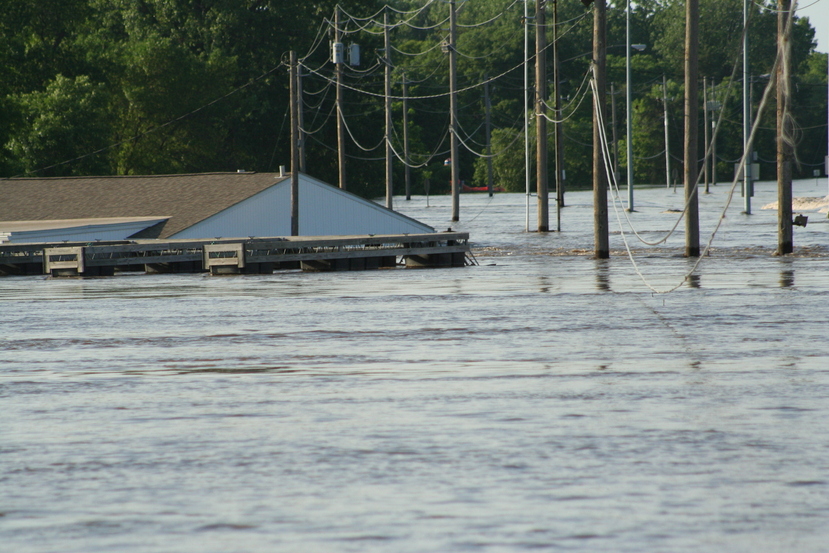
[189, 206]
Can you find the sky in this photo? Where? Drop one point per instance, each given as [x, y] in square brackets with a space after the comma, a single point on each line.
[818, 13]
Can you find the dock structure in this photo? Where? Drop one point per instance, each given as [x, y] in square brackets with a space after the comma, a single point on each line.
[238, 256]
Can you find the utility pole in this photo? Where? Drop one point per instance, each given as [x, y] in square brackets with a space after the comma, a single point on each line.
[387, 61]
[691, 127]
[340, 122]
[541, 180]
[294, 148]
[785, 240]
[748, 188]
[558, 144]
[526, 117]
[600, 227]
[714, 134]
[407, 170]
[488, 125]
[453, 110]
[706, 140]
[301, 110]
[667, 134]
[629, 110]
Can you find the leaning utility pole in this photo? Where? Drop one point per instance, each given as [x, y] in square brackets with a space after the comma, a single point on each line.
[294, 148]
[453, 111]
[600, 228]
[540, 115]
[691, 127]
[785, 240]
[387, 61]
[340, 122]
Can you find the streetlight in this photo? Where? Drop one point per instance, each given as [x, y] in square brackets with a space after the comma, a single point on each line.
[629, 135]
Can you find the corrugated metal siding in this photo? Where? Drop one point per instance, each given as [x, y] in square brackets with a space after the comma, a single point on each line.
[323, 211]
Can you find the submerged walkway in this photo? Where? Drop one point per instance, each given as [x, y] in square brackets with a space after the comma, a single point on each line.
[238, 256]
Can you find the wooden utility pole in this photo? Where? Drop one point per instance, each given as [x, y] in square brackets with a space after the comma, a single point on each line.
[600, 228]
[387, 60]
[667, 134]
[340, 121]
[558, 144]
[691, 127]
[541, 179]
[748, 186]
[301, 112]
[785, 241]
[294, 148]
[488, 125]
[453, 112]
[407, 170]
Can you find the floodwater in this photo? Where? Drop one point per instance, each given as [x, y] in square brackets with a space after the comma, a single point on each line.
[541, 400]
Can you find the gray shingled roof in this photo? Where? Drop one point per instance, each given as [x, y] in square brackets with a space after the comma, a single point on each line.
[186, 199]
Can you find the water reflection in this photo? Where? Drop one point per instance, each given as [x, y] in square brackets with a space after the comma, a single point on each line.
[693, 280]
[787, 278]
[603, 275]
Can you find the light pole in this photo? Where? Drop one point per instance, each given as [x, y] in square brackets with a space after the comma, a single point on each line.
[629, 135]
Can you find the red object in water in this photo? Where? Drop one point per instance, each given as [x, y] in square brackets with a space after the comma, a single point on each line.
[465, 188]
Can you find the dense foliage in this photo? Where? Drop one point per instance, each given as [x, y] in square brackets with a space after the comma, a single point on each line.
[169, 86]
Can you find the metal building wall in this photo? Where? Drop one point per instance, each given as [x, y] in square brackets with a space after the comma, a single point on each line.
[324, 210]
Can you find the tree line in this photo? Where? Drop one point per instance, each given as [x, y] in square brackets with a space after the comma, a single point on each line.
[93, 87]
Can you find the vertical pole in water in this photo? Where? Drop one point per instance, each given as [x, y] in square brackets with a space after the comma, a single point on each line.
[785, 241]
[558, 143]
[488, 108]
[526, 115]
[387, 90]
[629, 112]
[294, 149]
[691, 127]
[301, 117]
[340, 122]
[453, 108]
[600, 227]
[540, 113]
[667, 127]
[714, 135]
[706, 139]
[747, 187]
[408, 170]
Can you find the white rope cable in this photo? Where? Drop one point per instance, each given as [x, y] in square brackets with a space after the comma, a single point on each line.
[580, 96]
[415, 54]
[707, 155]
[429, 158]
[704, 254]
[348, 129]
[433, 96]
[322, 125]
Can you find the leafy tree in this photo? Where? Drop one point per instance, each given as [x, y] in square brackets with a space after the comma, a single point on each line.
[66, 121]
